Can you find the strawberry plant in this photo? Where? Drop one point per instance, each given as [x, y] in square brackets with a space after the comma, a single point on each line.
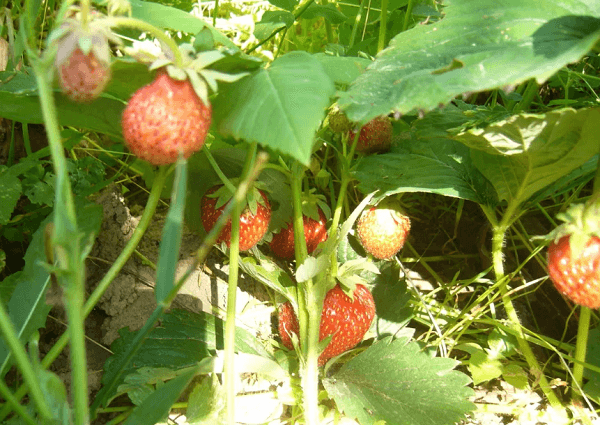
[232, 126]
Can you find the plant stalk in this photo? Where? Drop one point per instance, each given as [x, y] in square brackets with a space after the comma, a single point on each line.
[67, 246]
[9, 334]
[499, 232]
[309, 309]
[409, 8]
[581, 350]
[232, 285]
[382, 26]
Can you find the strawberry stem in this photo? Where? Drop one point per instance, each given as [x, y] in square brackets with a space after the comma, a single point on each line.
[581, 350]
[309, 308]
[67, 248]
[514, 324]
[217, 169]
[148, 28]
[382, 25]
[232, 284]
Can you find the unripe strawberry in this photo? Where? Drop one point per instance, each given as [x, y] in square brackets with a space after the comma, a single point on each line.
[382, 231]
[339, 122]
[164, 118]
[82, 57]
[82, 76]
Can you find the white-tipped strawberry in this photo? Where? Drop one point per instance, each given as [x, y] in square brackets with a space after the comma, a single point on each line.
[382, 230]
[82, 59]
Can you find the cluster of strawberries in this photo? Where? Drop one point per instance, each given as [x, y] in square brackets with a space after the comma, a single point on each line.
[168, 117]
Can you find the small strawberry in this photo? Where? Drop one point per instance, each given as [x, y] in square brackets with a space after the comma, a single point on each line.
[315, 232]
[82, 58]
[375, 136]
[338, 121]
[164, 118]
[346, 319]
[253, 225]
[382, 230]
[574, 255]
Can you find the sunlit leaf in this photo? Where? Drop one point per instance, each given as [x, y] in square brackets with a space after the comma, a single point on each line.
[476, 46]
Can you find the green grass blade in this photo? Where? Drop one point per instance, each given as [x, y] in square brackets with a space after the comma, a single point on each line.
[171, 237]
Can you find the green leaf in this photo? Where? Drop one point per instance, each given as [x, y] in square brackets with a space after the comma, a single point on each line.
[515, 376]
[391, 300]
[271, 21]
[327, 12]
[171, 237]
[206, 402]
[269, 273]
[19, 102]
[292, 92]
[27, 306]
[182, 339]
[10, 193]
[393, 380]
[525, 153]
[438, 165]
[284, 4]
[171, 18]
[55, 393]
[491, 42]
[158, 404]
[342, 69]
[483, 368]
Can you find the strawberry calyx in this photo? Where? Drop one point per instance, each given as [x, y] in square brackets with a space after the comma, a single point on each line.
[93, 38]
[312, 202]
[195, 68]
[352, 273]
[581, 222]
[253, 197]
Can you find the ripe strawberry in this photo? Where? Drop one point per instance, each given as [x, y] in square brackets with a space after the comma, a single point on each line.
[252, 226]
[574, 254]
[164, 118]
[375, 136]
[315, 232]
[346, 319]
[82, 58]
[382, 231]
[576, 276]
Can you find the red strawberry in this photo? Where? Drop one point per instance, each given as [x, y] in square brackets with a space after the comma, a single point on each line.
[382, 231]
[346, 319]
[576, 276]
[252, 226]
[375, 136]
[164, 118]
[315, 232]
